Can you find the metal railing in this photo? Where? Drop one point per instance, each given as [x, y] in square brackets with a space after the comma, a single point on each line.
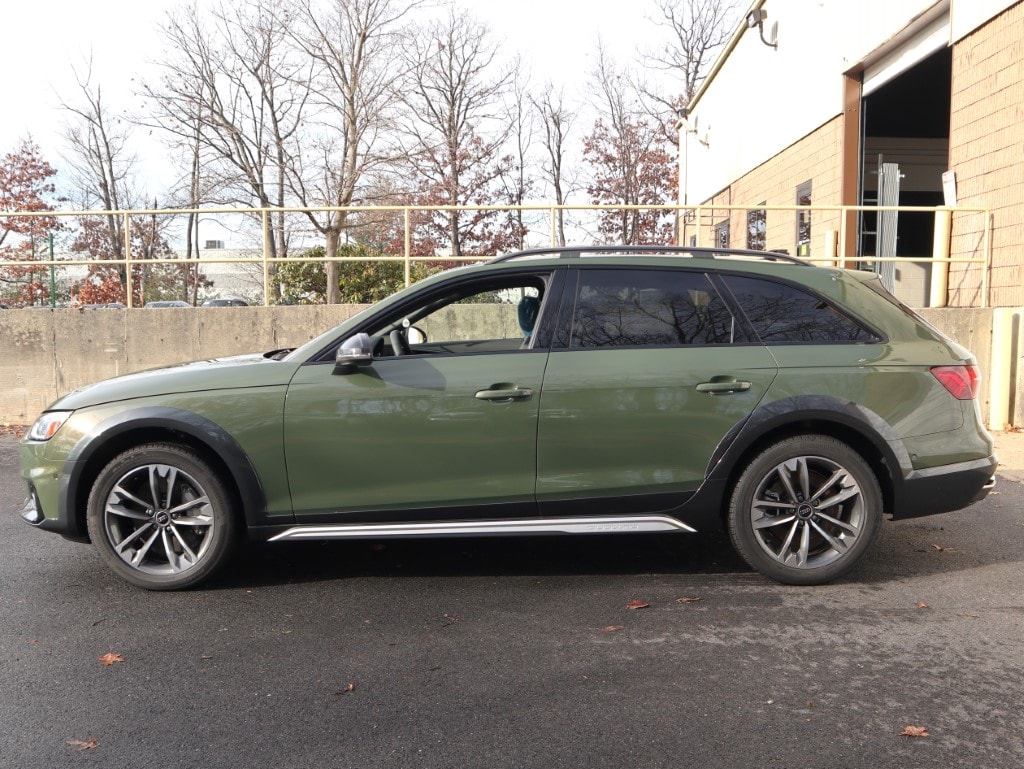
[835, 227]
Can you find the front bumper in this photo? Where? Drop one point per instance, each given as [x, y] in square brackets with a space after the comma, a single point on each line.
[46, 483]
[945, 488]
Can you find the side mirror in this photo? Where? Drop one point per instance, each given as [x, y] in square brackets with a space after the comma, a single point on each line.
[355, 352]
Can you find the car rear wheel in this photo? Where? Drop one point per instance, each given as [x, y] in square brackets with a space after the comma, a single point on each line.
[160, 517]
[805, 510]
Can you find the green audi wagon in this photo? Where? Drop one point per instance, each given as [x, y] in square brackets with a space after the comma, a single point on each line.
[556, 391]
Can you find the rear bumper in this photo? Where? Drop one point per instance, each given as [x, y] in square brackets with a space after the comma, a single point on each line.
[945, 488]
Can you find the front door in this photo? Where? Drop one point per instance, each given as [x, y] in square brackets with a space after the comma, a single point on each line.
[441, 425]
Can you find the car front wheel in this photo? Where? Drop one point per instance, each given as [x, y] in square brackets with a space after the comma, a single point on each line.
[805, 510]
[160, 517]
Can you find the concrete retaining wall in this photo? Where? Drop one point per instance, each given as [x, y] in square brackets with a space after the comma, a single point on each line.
[45, 353]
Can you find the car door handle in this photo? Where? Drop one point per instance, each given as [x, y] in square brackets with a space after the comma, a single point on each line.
[722, 386]
[504, 393]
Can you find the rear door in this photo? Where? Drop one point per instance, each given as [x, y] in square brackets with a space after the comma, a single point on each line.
[649, 372]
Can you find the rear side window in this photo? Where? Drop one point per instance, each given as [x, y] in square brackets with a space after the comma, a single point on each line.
[649, 308]
[782, 313]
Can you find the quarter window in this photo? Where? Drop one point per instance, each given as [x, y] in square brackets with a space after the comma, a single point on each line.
[633, 308]
[781, 313]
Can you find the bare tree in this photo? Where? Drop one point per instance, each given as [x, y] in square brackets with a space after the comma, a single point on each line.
[455, 133]
[517, 180]
[99, 161]
[236, 77]
[629, 157]
[354, 46]
[696, 30]
[556, 120]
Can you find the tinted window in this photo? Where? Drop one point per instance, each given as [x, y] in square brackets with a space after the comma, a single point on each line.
[628, 308]
[782, 313]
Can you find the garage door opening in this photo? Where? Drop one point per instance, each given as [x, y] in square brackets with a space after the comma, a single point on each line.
[905, 151]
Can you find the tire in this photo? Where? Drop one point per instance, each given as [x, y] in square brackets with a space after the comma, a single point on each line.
[805, 510]
[161, 518]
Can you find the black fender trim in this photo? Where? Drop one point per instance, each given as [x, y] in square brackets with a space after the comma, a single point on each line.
[704, 509]
[199, 428]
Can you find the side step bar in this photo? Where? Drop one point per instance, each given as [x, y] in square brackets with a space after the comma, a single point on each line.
[609, 525]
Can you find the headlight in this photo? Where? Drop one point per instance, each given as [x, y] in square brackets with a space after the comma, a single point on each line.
[47, 425]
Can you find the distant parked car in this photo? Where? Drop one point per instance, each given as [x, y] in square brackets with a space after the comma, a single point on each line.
[231, 301]
[104, 306]
[166, 303]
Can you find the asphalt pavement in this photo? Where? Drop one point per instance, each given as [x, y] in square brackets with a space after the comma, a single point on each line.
[519, 652]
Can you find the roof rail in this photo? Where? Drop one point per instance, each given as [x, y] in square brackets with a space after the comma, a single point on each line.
[576, 252]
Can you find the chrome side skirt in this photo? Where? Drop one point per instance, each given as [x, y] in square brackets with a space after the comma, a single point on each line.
[609, 525]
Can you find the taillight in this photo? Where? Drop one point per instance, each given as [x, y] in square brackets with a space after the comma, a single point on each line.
[961, 381]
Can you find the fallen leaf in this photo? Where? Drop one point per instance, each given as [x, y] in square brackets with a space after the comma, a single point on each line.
[637, 605]
[612, 628]
[18, 431]
[86, 744]
[923, 606]
[811, 704]
[942, 549]
[452, 619]
[349, 688]
[110, 658]
[914, 731]
[688, 599]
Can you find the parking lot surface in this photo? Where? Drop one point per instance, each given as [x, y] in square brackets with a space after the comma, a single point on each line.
[519, 652]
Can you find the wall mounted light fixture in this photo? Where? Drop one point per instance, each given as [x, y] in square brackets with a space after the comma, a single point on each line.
[756, 19]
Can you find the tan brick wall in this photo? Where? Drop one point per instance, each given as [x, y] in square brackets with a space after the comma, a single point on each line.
[987, 152]
[817, 158]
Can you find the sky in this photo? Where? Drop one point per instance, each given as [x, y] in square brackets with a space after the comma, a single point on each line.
[43, 40]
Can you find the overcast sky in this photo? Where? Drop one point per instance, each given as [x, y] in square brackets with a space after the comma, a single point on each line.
[43, 39]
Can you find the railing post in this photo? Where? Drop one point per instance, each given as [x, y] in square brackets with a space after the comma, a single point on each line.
[265, 216]
[841, 245]
[939, 289]
[127, 227]
[408, 246]
[831, 248]
[554, 227]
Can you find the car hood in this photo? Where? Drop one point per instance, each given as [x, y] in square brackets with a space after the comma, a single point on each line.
[216, 374]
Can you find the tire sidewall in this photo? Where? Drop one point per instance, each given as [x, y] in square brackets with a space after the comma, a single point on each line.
[741, 528]
[224, 529]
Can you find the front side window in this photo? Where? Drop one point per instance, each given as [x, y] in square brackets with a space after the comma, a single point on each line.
[496, 314]
[646, 308]
[781, 313]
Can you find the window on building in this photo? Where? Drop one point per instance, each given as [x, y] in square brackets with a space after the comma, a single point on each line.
[781, 313]
[757, 228]
[803, 220]
[645, 308]
[722, 234]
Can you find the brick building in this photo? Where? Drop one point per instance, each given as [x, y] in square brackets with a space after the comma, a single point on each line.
[876, 102]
